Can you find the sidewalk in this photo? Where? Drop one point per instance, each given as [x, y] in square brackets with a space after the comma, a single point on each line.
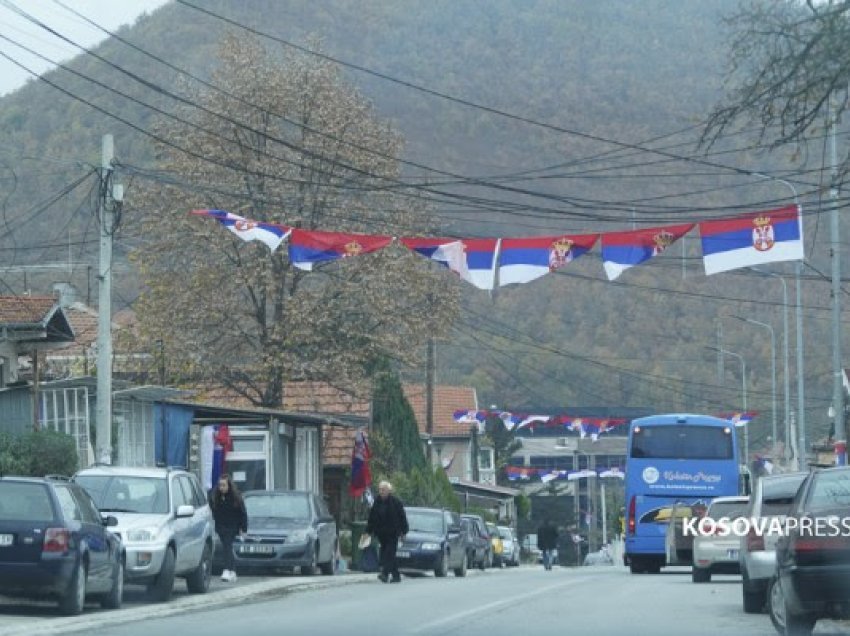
[91, 621]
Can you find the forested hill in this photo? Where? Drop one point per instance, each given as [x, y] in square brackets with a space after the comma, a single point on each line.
[605, 79]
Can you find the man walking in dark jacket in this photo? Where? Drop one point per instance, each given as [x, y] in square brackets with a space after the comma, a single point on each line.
[547, 541]
[388, 522]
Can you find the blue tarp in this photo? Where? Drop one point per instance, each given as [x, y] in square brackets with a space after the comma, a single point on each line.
[171, 434]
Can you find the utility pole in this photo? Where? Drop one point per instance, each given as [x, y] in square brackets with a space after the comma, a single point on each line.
[429, 400]
[838, 371]
[106, 204]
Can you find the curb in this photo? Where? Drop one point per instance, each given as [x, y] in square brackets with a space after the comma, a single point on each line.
[93, 621]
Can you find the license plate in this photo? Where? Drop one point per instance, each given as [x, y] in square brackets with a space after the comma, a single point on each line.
[732, 554]
[256, 549]
[403, 554]
[5, 540]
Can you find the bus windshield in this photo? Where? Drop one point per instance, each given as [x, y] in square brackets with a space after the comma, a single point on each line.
[682, 442]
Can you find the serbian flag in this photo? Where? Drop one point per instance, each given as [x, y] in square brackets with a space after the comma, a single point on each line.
[308, 246]
[753, 239]
[471, 259]
[222, 444]
[525, 259]
[739, 418]
[271, 234]
[622, 250]
[361, 477]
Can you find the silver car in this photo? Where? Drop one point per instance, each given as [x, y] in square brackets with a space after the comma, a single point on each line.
[771, 499]
[164, 522]
[510, 546]
[716, 553]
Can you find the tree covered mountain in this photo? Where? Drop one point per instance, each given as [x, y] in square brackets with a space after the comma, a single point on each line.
[537, 117]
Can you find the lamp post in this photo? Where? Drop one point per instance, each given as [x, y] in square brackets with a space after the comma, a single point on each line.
[743, 396]
[785, 374]
[801, 398]
[772, 364]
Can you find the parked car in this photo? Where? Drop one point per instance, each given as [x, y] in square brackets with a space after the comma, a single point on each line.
[164, 522]
[286, 529]
[530, 550]
[771, 499]
[812, 578]
[715, 553]
[54, 543]
[434, 543]
[479, 547]
[496, 545]
[510, 546]
[602, 556]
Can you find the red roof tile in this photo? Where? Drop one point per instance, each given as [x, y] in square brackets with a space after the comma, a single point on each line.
[25, 309]
[447, 400]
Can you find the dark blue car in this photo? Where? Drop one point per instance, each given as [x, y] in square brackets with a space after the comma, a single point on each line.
[54, 544]
[434, 543]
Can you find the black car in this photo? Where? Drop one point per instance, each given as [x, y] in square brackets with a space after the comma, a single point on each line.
[286, 529]
[54, 544]
[479, 547]
[812, 578]
[435, 542]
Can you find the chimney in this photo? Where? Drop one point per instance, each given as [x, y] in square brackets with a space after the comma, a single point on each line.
[65, 293]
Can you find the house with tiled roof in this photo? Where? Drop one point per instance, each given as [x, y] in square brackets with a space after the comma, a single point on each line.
[29, 325]
[452, 444]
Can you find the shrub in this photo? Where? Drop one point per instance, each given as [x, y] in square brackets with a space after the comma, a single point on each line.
[37, 454]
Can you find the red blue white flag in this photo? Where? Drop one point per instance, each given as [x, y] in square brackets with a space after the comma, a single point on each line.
[622, 250]
[753, 239]
[471, 259]
[361, 477]
[522, 260]
[307, 247]
[271, 234]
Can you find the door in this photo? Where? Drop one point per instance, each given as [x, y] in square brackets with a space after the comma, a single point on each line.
[326, 530]
[101, 554]
[182, 526]
[248, 463]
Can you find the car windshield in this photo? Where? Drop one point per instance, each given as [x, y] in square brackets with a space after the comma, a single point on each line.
[24, 502]
[124, 493]
[730, 509]
[423, 521]
[505, 533]
[831, 489]
[278, 506]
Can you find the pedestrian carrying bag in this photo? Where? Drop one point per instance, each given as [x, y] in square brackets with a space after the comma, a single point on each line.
[369, 559]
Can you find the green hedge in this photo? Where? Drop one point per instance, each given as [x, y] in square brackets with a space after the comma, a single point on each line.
[37, 454]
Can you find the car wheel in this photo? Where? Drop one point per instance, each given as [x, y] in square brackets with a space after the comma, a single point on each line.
[74, 600]
[115, 597]
[786, 623]
[461, 571]
[700, 575]
[442, 568]
[160, 590]
[198, 582]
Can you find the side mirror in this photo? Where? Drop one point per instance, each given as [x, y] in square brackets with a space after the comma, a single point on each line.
[185, 511]
[109, 521]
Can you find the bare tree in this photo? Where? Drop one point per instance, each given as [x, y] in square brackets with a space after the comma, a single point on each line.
[285, 139]
[787, 58]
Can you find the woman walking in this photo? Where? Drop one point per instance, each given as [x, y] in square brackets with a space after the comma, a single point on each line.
[387, 521]
[231, 519]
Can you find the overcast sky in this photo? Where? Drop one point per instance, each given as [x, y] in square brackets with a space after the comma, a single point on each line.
[110, 14]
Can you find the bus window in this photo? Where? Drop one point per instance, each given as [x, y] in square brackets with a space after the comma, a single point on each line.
[682, 442]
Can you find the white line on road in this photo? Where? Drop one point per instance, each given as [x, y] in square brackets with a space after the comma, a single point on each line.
[496, 605]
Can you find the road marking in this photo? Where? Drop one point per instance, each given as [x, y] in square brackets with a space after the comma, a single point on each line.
[495, 605]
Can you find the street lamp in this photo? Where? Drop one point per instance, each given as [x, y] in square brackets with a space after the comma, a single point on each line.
[743, 395]
[801, 399]
[786, 374]
[772, 363]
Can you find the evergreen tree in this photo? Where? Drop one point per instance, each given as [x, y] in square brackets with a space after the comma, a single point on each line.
[392, 417]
